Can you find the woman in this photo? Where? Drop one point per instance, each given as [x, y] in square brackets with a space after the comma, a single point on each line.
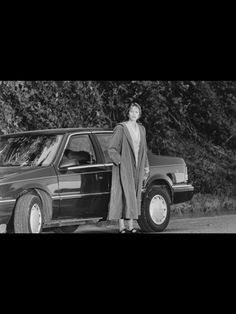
[128, 151]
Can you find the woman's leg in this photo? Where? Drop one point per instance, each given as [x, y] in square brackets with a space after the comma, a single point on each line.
[131, 224]
[121, 224]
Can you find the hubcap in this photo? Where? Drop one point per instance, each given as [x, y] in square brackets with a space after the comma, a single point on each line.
[158, 209]
[35, 219]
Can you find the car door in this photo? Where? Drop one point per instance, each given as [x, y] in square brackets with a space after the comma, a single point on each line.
[103, 138]
[81, 178]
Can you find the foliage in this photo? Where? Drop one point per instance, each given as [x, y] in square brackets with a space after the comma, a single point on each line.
[49, 104]
[205, 205]
[192, 119]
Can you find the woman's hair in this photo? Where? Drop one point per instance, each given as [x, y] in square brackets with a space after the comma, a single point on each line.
[134, 104]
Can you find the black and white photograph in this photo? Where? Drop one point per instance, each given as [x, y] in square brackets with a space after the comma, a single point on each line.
[117, 157]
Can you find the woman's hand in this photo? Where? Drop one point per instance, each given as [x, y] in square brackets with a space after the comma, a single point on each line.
[146, 173]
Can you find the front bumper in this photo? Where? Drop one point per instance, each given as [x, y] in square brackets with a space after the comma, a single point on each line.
[182, 193]
[6, 208]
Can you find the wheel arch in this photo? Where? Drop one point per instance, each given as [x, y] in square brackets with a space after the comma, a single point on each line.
[36, 191]
[161, 181]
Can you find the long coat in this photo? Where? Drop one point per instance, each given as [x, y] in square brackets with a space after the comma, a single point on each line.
[127, 178]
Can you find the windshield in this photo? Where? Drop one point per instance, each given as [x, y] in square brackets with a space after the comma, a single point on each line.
[28, 150]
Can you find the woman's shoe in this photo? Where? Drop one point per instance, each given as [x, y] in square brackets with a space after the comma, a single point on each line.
[134, 230]
[123, 231]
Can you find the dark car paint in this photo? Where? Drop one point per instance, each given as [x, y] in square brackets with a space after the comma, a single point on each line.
[75, 191]
[12, 186]
[81, 188]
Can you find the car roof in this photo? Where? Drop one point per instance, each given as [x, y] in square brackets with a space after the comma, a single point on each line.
[55, 131]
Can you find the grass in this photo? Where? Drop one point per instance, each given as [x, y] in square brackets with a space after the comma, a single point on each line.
[205, 205]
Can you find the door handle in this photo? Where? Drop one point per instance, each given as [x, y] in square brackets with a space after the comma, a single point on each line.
[99, 177]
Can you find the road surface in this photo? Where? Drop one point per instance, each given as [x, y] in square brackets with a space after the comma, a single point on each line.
[215, 224]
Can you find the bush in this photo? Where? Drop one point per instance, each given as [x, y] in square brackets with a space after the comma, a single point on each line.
[205, 205]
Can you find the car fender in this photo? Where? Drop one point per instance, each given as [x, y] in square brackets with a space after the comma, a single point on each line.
[160, 179]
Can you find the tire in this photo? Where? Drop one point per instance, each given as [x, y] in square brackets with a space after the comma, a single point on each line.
[155, 210]
[47, 205]
[28, 216]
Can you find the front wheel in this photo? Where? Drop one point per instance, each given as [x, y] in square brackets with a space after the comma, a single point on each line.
[28, 217]
[155, 211]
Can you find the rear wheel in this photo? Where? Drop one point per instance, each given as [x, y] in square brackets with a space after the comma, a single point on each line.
[28, 216]
[155, 211]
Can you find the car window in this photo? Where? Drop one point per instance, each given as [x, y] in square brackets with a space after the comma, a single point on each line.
[104, 140]
[80, 150]
[28, 150]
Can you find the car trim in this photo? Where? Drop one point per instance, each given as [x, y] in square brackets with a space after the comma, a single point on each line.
[94, 132]
[183, 186]
[65, 196]
[85, 166]
[69, 221]
[165, 165]
[8, 201]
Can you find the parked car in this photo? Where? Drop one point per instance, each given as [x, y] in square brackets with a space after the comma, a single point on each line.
[61, 178]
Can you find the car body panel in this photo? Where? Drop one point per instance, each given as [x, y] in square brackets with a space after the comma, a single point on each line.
[22, 180]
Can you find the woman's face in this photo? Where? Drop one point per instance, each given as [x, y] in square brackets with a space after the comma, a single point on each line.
[134, 113]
